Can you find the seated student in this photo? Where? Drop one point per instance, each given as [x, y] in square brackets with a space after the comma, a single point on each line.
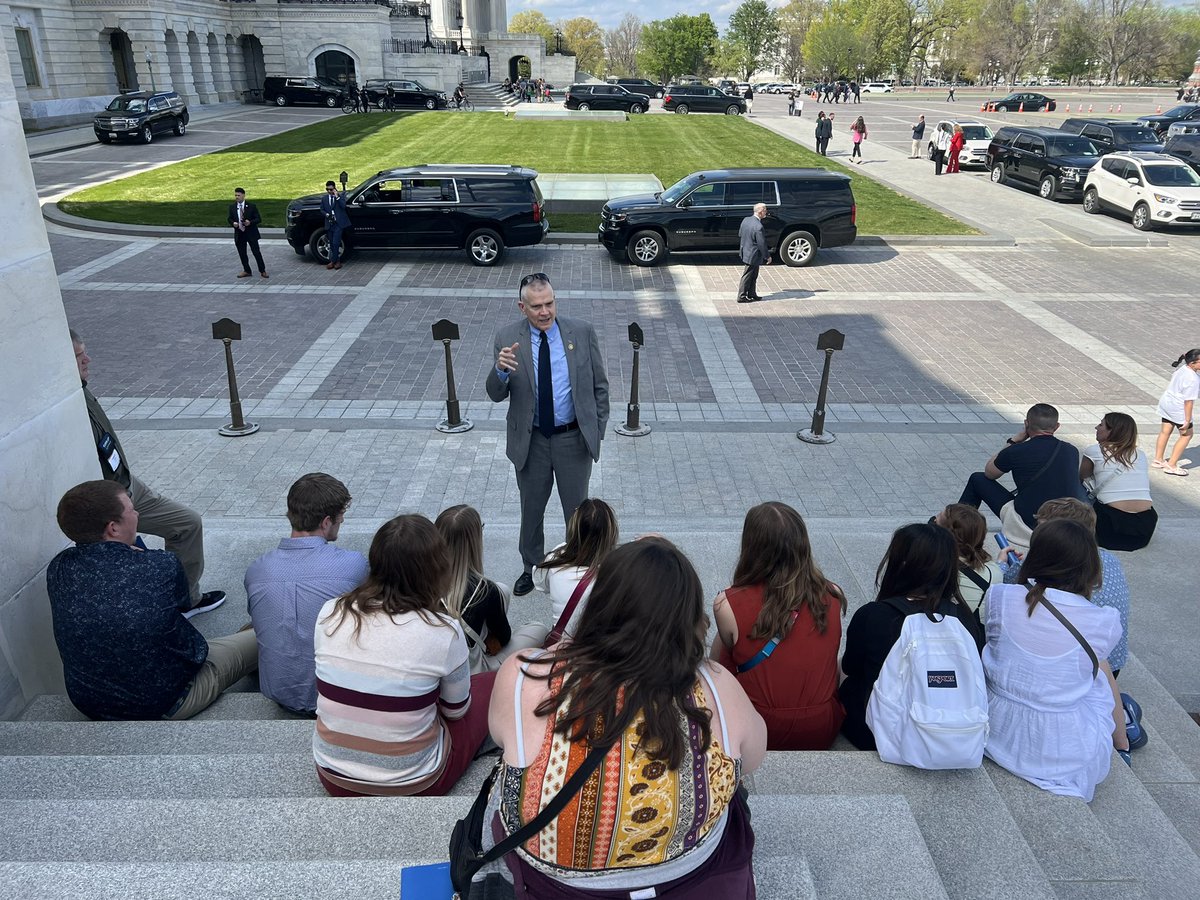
[1113, 589]
[288, 586]
[398, 712]
[921, 567]
[666, 816]
[1054, 717]
[1118, 475]
[976, 571]
[591, 536]
[479, 604]
[127, 650]
[780, 598]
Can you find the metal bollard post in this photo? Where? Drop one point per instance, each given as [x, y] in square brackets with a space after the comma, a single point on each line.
[829, 341]
[343, 178]
[446, 331]
[227, 331]
[632, 428]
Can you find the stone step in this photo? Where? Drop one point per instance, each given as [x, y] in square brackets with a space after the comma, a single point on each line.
[217, 737]
[1168, 722]
[239, 705]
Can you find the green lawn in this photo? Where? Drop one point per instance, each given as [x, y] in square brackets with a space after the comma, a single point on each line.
[277, 169]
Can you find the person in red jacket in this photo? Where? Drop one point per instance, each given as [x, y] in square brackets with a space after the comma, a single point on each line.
[957, 141]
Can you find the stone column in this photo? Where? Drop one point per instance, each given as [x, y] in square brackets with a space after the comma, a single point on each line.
[155, 75]
[220, 66]
[182, 80]
[202, 76]
[45, 440]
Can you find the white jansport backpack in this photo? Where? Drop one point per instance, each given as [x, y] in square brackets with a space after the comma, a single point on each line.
[929, 705]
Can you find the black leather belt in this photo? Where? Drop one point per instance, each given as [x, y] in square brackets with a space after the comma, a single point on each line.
[563, 429]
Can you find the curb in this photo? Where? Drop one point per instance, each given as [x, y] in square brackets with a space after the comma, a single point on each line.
[1082, 236]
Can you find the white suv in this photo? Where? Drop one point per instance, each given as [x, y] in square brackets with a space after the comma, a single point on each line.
[1152, 188]
[978, 137]
[877, 87]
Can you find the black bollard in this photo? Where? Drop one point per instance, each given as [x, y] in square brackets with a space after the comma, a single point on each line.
[829, 341]
[343, 178]
[446, 331]
[632, 427]
[227, 331]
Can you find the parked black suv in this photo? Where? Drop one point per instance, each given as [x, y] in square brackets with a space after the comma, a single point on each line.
[405, 94]
[282, 90]
[689, 98]
[1185, 147]
[478, 208]
[806, 209]
[140, 116]
[1184, 112]
[1113, 135]
[640, 86]
[605, 96]
[1054, 162]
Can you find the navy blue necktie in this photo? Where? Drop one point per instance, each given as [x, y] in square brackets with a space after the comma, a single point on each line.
[545, 389]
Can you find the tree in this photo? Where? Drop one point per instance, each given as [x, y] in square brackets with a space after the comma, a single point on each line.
[1076, 47]
[794, 21]
[621, 43]
[754, 32]
[1122, 27]
[831, 47]
[583, 37]
[680, 45]
[531, 21]
[1182, 43]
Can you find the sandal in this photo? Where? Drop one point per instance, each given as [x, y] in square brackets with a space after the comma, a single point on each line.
[1175, 470]
[1158, 464]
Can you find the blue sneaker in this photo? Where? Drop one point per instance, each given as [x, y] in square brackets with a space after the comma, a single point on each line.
[1124, 754]
[1133, 723]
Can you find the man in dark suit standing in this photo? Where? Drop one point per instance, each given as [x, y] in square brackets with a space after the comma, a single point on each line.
[244, 218]
[552, 373]
[333, 205]
[754, 253]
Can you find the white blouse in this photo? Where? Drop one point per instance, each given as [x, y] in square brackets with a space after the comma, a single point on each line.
[1112, 481]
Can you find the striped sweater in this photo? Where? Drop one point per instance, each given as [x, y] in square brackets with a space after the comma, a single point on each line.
[382, 697]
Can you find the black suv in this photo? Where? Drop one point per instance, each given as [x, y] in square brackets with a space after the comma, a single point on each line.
[478, 208]
[1023, 101]
[1185, 147]
[405, 94]
[1113, 135]
[641, 86]
[1184, 112]
[282, 90]
[605, 96]
[686, 98]
[1054, 162]
[140, 116]
[806, 209]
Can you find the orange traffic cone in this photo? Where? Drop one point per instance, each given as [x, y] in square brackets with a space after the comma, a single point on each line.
[1158, 112]
[1068, 107]
[1021, 108]
[1090, 109]
[1118, 107]
[983, 106]
[1110, 107]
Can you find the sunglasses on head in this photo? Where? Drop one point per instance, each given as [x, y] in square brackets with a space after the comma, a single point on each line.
[536, 276]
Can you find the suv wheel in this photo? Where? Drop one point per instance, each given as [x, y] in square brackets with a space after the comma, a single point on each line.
[331, 101]
[733, 110]
[658, 95]
[932, 150]
[180, 127]
[998, 175]
[485, 247]
[430, 103]
[798, 248]
[147, 134]
[1001, 108]
[682, 109]
[102, 138]
[584, 107]
[318, 246]
[1048, 188]
[280, 100]
[1141, 218]
[1091, 201]
[646, 248]
[636, 108]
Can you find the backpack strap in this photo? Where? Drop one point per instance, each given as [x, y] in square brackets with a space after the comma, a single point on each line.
[1071, 628]
[560, 626]
[767, 650]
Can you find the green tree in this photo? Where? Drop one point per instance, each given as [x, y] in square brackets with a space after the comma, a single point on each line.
[1076, 46]
[583, 37]
[794, 21]
[621, 44]
[532, 21]
[754, 32]
[680, 45]
[832, 47]
[1123, 27]
[1181, 44]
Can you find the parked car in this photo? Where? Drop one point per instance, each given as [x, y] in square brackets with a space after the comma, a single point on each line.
[1026, 101]
[141, 116]
[1185, 127]
[806, 209]
[641, 86]
[1054, 162]
[1151, 188]
[605, 96]
[1185, 147]
[783, 87]
[282, 90]
[689, 98]
[876, 87]
[1184, 112]
[978, 137]
[1114, 135]
[406, 94]
[478, 208]
[726, 84]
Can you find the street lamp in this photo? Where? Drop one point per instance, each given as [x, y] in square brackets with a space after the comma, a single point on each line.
[150, 66]
[861, 68]
[423, 11]
[458, 23]
[558, 39]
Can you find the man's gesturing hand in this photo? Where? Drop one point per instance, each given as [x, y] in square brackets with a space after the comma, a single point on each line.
[507, 360]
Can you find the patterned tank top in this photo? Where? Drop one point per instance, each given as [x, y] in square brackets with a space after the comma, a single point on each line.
[633, 811]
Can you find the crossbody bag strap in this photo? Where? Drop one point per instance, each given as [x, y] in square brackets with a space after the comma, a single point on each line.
[560, 626]
[767, 650]
[1075, 631]
[1042, 471]
[977, 580]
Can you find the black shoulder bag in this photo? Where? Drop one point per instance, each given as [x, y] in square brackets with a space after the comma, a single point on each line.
[466, 841]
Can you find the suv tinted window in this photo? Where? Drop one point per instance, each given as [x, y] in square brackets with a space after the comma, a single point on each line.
[1024, 142]
[1097, 131]
[429, 190]
[707, 195]
[747, 193]
[1005, 136]
[1072, 146]
[476, 190]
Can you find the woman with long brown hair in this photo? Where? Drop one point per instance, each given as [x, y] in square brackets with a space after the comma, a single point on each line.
[779, 628]
[568, 569]
[1117, 475]
[976, 570]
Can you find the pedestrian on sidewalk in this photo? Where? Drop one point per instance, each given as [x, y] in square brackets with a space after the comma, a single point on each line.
[941, 147]
[950, 96]
[918, 133]
[957, 141]
[754, 252]
[824, 131]
[244, 218]
[333, 205]
[1176, 408]
[792, 103]
[858, 134]
[856, 89]
[749, 98]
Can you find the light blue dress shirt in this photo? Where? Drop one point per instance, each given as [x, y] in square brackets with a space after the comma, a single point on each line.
[564, 405]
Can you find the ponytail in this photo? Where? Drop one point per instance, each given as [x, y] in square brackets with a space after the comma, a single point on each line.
[1190, 357]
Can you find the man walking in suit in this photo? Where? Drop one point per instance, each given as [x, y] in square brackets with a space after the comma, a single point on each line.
[754, 253]
[244, 218]
[333, 205]
[552, 373]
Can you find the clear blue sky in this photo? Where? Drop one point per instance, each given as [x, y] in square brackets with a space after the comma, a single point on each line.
[609, 14]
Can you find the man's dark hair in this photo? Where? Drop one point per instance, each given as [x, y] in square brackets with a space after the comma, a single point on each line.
[313, 497]
[239, 190]
[1042, 417]
[86, 509]
[330, 184]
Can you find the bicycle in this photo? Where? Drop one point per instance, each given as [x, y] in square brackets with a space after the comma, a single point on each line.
[464, 105]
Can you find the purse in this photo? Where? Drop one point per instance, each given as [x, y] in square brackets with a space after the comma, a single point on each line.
[1075, 631]
[560, 626]
[466, 841]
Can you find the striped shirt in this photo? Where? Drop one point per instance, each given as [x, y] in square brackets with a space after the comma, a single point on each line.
[382, 696]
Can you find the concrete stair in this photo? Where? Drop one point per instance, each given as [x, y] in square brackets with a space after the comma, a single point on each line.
[489, 97]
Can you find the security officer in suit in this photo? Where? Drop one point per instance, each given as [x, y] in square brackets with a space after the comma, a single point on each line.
[552, 374]
[753, 245]
[244, 218]
[333, 205]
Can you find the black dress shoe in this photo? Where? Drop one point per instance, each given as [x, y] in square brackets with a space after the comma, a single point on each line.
[745, 299]
[524, 585]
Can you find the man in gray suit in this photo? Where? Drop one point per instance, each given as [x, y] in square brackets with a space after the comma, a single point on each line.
[754, 253]
[552, 373]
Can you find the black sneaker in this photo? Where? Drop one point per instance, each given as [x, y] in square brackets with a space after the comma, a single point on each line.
[208, 602]
[524, 585]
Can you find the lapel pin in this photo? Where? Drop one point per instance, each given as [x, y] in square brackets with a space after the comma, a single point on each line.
[570, 346]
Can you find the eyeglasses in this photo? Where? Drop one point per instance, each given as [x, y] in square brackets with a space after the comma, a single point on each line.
[536, 276]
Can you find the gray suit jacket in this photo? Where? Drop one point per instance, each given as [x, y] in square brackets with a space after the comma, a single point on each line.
[753, 241]
[589, 385]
